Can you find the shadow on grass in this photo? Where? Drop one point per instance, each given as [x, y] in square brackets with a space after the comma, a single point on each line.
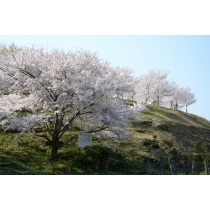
[27, 159]
[8, 167]
[100, 160]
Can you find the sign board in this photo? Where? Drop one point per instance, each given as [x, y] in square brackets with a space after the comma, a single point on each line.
[84, 139]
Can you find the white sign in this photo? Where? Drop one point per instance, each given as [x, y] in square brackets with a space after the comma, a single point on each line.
[84, 139]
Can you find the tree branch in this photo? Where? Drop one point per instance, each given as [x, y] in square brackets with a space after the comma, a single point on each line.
[43, 136]
[66, 127]
[48, 129]
[103, 127]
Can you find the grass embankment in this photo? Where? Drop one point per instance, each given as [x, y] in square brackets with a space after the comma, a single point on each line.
[29, 155]
[161, 138]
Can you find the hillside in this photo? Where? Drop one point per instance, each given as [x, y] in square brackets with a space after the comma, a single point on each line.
[172, 139]
[184, 127]
[164, 141]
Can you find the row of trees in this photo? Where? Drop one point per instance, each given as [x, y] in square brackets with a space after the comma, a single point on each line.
[154, 88]
[50, 92]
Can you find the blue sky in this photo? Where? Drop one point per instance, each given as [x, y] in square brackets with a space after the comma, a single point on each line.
[186, 57]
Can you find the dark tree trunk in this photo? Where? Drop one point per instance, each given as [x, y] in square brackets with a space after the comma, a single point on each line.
[162, 167]
[176, 106]
[54, 149]
[54, 153]
[186, 166]
[195, 169]
[149, 167]
[186, 108]
[158, 100]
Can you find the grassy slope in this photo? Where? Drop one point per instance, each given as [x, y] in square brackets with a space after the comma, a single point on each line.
[29, 155]
[184, 127]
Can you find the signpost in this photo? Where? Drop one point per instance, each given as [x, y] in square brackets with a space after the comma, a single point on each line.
[84, 139]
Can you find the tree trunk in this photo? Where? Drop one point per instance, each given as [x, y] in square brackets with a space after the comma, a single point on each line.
[186, 108]
[195, 169]
[193, 165]
[158, 100]
[162, 168]
[206, 166]
[172, 166]
[176, 106]
[54, 153]
[186, 167]
[149, 167]
[171, 104]
[54, 149]
[175, 167]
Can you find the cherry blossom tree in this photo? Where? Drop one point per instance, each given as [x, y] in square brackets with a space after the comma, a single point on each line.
[143, 89]
[175, 99]
[152, 88]
[125, 86]
[188, 97]
[180, 97]
[51, 91]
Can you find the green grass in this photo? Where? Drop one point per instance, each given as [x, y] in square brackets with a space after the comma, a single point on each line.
[28, 154]
[156, 113]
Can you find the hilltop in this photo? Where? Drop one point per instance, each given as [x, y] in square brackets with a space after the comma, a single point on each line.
[164, 141]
